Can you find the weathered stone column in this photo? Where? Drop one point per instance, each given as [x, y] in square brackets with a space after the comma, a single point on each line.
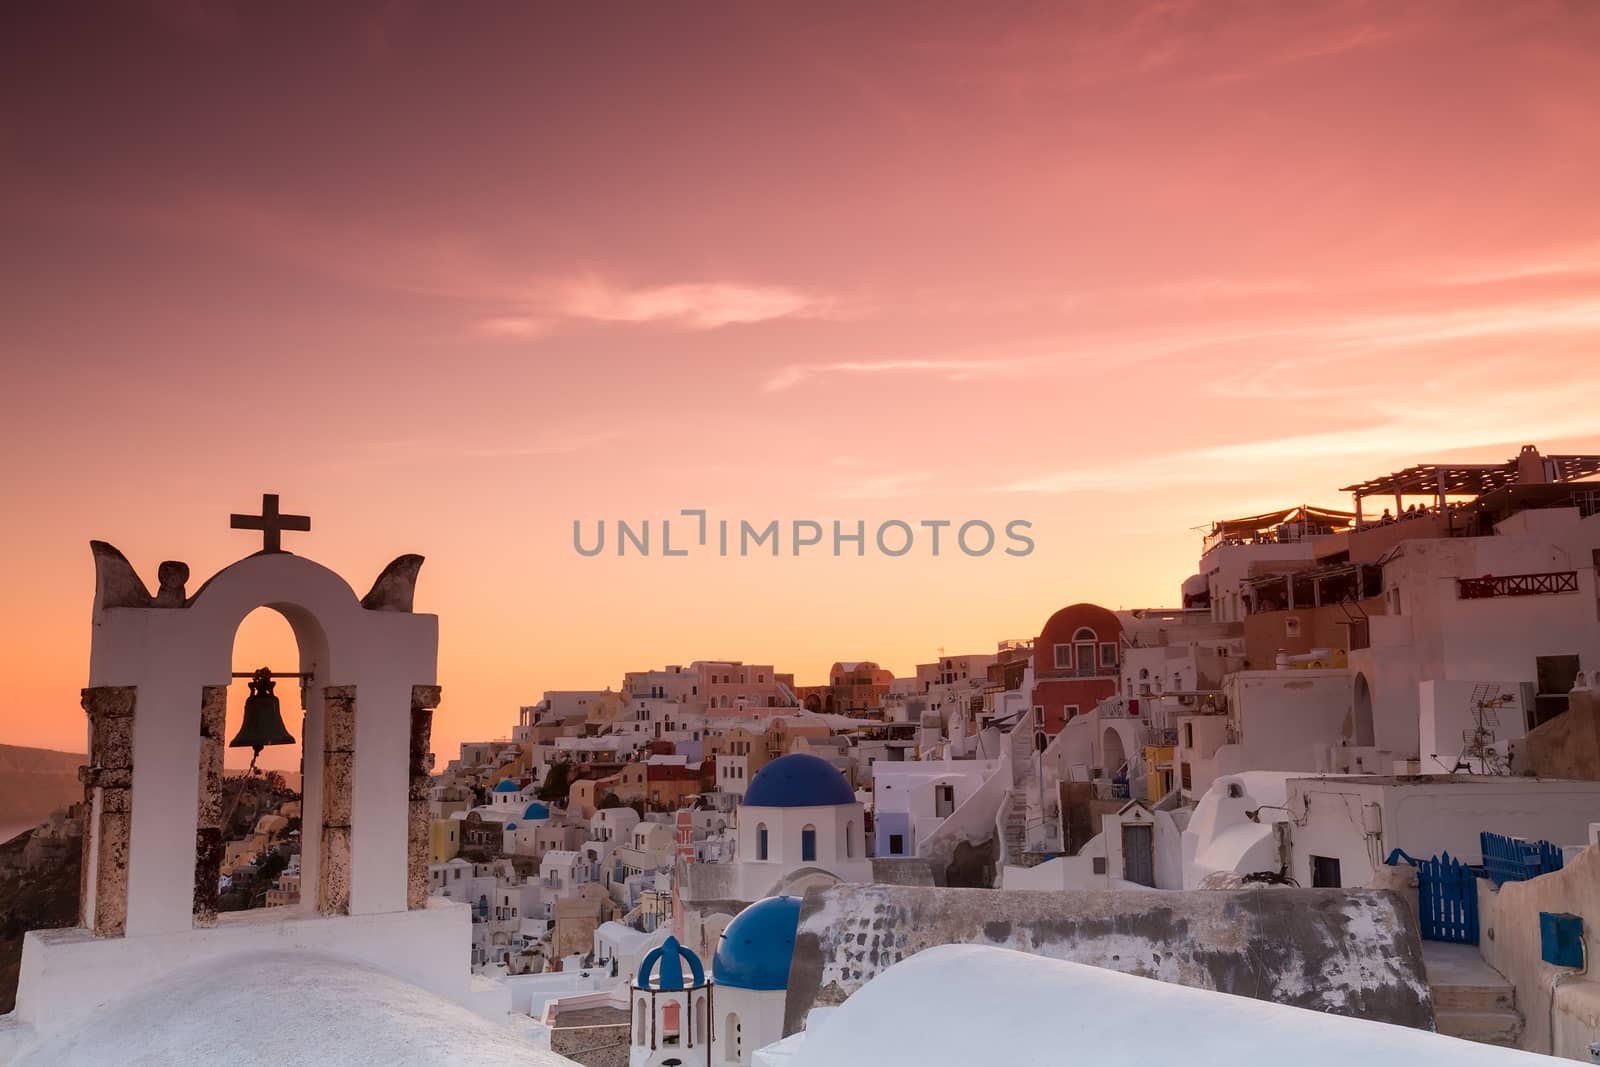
[338, 768]
[108, 778]
[208, 824]
[424, 698]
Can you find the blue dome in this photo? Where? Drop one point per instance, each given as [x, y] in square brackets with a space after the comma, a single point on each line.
[798, 780]
[671, 956]
[507, 785]
[536, 810]
[511, 826]
[758, 945]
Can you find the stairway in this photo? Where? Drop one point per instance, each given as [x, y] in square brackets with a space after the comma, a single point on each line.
[1471, 1000]
[1014, 828]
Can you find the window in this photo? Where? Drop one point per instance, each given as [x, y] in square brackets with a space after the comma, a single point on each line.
[1069, 712]
[808, 845]
[1108, 653]
[1325, 873]
[849, 840]
[897, 844]
[1063, 657]
[761, 841]
[1188, 735]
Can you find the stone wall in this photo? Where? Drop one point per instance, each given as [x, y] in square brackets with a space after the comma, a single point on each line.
[424, 698]
[593, 1046]
[1568, 746]
[1508, 918]
[1349, 952]
[338, 769]
[108, 809]
[208, 847]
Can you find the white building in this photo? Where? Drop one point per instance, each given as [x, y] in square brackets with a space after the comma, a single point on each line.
[911, 799]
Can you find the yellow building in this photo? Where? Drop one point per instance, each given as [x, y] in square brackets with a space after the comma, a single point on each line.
[1158, 780]
[444, 840]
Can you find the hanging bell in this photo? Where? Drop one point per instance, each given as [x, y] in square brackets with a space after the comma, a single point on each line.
[263, 722]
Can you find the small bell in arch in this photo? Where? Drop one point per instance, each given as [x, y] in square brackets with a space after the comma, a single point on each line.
[263, 721]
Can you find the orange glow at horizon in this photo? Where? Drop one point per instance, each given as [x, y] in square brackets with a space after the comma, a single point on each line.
[448, 285]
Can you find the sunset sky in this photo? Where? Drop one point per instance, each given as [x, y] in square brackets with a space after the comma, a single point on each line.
[448, 277]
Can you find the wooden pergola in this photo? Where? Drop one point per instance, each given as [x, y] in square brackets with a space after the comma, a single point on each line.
[1441, 480]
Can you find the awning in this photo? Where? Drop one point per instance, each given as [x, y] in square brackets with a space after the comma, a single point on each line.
[1304, 514]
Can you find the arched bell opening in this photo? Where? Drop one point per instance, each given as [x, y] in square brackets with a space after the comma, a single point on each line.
[287, 641]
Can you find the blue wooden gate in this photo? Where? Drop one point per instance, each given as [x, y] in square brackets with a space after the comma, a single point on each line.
[1447, 898]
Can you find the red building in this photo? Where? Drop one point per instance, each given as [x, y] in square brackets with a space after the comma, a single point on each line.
[1075, 663]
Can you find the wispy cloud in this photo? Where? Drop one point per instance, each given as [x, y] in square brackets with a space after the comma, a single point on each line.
[551, 304]
[954, 370]
[1399, 425]
[520, 327]
[700, 305]
[556, 441]
[886, 486]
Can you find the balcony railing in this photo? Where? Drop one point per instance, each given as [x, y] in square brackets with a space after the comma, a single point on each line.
[1517, 585]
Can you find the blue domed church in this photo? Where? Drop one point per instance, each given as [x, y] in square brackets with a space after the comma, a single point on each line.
[800, 827]
[751, 971]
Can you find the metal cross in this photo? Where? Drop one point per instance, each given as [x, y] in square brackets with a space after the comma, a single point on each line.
[270, 523]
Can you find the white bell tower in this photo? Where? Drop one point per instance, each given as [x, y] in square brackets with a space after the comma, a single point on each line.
[672, 1010]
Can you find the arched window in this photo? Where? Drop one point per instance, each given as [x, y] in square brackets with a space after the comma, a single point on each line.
[808, 845]
[1084, 644]
[732, 1038]
[849, 840]
[642, 1016]
[761, 840]
[698, 1031]
[670, 1023]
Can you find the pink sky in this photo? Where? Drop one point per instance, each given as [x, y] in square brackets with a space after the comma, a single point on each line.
[450, 281]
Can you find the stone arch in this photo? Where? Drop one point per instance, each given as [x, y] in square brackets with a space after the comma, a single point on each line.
[1361, 733]
[1112, 753]
[797, 882]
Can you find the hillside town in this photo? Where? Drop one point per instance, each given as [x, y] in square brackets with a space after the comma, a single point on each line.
[1339, 700]
[1353, 768]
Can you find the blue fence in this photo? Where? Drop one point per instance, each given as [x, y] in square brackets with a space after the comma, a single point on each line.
[1511, 859]
[1447, 898]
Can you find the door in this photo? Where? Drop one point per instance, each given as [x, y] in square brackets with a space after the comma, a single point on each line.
[1138, 854]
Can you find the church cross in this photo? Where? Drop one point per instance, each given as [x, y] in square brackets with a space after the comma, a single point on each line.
[270, 523]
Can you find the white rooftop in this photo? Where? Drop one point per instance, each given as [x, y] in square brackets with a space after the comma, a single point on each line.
[921, 1013]
[284, 1008]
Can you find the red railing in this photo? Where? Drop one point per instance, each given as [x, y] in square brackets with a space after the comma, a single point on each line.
[1517, 585]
